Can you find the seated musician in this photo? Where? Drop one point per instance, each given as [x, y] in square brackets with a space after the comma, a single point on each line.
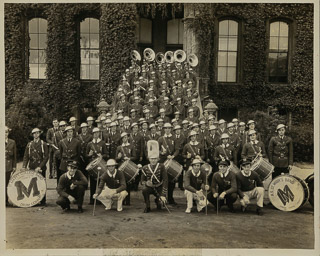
[224, 186]
[154, 179]
[126, 151]
[71, 187]
[112, 186]
[249, 186]
[253, 148]
[195, 183]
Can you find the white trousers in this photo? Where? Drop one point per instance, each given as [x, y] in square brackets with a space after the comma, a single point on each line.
[257, 192]
[107, 197]
[200, 201]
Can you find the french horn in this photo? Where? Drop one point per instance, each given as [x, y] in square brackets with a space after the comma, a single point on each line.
[149, 54]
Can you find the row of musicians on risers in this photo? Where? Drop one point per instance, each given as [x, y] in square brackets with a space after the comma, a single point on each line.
[225, 186]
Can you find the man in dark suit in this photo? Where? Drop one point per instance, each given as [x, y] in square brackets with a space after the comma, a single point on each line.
[52, 141]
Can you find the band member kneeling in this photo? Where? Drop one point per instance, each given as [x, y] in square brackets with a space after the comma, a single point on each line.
[249, 186]
[224, 186]
[115, 188]
[154, 179]
[195, 183]
[71, 187]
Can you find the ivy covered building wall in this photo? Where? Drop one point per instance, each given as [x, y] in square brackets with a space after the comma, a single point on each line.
[34, 102]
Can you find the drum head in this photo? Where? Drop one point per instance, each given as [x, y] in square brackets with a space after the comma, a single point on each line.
[207, 168]
[26, 188]
[287, 193]
[93, 164]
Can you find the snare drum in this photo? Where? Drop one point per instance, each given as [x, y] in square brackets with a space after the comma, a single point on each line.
[207, 168]
[96, 166]
[129, 169]
[263, 168]
[288, 193]
[173, 168]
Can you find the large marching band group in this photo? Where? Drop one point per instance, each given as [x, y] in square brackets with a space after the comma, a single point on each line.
[156, 136]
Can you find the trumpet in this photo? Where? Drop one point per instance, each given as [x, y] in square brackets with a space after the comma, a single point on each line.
[169, 57]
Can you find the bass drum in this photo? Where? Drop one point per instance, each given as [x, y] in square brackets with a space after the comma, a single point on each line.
[310, 182]
[288, 193]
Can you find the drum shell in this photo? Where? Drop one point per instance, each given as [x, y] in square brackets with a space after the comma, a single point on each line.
[234, 168]
[288, 192]
[129, 169]
[263, 168]
[98, 165]
[173, 168]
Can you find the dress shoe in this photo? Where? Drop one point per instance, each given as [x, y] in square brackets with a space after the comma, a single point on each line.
[243, 209]
[80, 210]
[232, 210]
[188, 210]
[147, 209]
[259, 211]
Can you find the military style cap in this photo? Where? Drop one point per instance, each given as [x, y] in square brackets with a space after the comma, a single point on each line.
[123, 134]
[36, 130]
[177, 127]
[251, 132]
[224, 162]
[230, 125]
[192, 133]
[280, 126]
[84, 125]
[225, 136]
[68, 128]
[167, 125]
[251, 122]
[62, 123]
[72, 163]
[196, 161]
[235, 120]
[72, 119]
[96, 129]
[90, 118]
[212, 127]
[222, 121]
[111, 162]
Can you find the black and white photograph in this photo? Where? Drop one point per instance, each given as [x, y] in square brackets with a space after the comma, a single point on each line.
[159, 128]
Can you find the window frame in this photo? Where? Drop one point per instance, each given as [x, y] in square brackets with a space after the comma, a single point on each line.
[177, 46]
[142, 46]
[80, 19]
[291, 32]
[27, 47]
[239, 62]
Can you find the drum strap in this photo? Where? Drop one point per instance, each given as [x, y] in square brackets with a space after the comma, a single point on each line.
[153, 172]
[165, 142]
[253, 148]
[124, 153]
[192, 150]
[224, 151]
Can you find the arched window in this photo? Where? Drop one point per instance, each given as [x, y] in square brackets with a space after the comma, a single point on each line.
[228, 51]
[278, 52]
[144, 31]
[89, 49]
[37, 30]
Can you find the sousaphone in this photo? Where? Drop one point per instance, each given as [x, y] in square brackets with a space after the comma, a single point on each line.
[193, 60]
[149, 54]
[135, 55]
[180, 56]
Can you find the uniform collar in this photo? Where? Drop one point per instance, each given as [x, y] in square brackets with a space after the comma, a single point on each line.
[125, 144]
[168, 136]
[245, 175]
[195, 143]
[36, 140]
[112, 175]
[225, 145]
[255, 142]
[196, 175]
[96, 141]
[225, 174]
[69, 176]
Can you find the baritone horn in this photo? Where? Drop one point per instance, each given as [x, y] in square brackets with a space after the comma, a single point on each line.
[180, 56]
[135, 55]
[169, 57]
[160, 58]
[193, 60]
[149, 54]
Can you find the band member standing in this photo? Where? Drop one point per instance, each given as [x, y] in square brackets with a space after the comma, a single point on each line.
[249, 187]
[71, 187]
[52, 141]
[180, 141]
[112, 186]
[11, 158]
[36, 156]
[90, 121]
[73, 124]
[84, 137]
[225, 151]
[252, 127]
[253, 148]
[195, 183]
[281, 152]
[112, 140]
[95, 148]
[224, 186]
[154, 179]
[212, 142]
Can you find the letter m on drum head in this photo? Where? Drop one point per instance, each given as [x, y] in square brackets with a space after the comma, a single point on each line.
[285, 195]
[22, 190]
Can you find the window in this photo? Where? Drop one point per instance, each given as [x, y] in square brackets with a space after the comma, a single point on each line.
[228, 51]
[37, 48]
[89, 49]
[175, 31]
[278, 52]
[144, 31]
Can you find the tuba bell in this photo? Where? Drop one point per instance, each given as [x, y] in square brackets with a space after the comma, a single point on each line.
[169, 57]
[135, 55]
[149, 54]
[160, 58]
[193, 60]
[180, 55]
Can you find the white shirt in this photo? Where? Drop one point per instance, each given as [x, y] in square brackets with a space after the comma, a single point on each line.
[244, 174]
[69, 176]
[167, 136]
[114, 174]
[96, 141]
[125, 144]
[194, 143]
[196, 175]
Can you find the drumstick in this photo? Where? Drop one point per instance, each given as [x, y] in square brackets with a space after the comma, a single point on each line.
[95, 200]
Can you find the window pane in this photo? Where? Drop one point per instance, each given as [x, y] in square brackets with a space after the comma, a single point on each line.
[233, 41]
[180, 31]
[273, 64]
[84, 26]
[274, 40]
[94, 57]
[223, 27]
[274, 29]
[42, 26]
[94, 40]
[283, 43]
[222, 74]
[231, 74]
[42, 41]
[84, 41]
[94, 71]
[42, 70]
[33, 26]
[33, 71]
[172, 32]
[33, 57]
[284, 29]
[233, 28]
[145, 31]
[33, 44]
[222, 59]
[232, 59]
[85, 71]
[282, 64]
[42, 56]
[223, 43]
[94, 25]
[85, 55]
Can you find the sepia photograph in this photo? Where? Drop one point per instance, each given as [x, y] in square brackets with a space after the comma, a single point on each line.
[160, 128]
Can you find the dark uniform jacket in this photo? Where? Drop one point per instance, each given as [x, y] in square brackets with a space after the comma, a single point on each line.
[250, 150]
[168, 144]
[180, 142]
[137, 142]
[193, 183]
[194, 150]
[227, 152]
[112, 141]
[36, 155]
[126, 150]
[69, 151]
[64, 184]
[96, 148]
[281, 151]
[84, 140]
[211, 144]
[11, 155]
[158, 176]
[226, 183]
[118, 182]
[247, 183]
[51, 137]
